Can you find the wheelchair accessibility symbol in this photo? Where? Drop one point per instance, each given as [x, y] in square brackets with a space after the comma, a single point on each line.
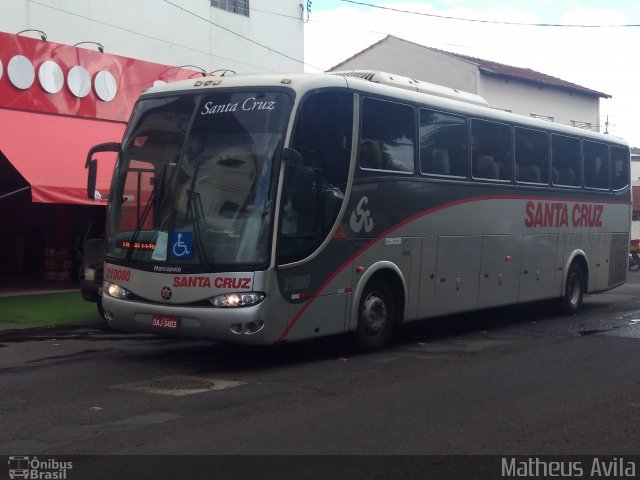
[182, 245]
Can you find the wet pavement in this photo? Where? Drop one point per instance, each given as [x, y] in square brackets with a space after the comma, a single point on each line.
[516, 380]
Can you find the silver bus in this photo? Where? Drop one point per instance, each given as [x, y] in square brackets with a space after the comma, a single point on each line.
[274, 208]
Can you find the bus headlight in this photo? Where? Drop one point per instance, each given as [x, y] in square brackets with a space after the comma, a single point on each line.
[230, 300]
[114, 290]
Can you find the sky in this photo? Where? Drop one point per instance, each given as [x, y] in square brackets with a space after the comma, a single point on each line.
[605, 59]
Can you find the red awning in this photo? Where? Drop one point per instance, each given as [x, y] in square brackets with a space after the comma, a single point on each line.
[49, 151]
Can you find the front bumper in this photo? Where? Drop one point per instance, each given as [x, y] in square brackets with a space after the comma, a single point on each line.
[250, 325]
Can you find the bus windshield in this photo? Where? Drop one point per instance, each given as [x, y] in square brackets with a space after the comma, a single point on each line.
[194, 183]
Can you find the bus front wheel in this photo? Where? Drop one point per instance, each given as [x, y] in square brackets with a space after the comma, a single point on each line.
[376, 317]
[573, 290]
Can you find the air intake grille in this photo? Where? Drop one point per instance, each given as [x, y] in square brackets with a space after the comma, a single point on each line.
[366, 75]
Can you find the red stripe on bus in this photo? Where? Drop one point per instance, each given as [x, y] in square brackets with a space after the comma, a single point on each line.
[416, 216]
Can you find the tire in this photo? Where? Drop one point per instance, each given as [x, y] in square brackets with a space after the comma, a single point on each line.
[376, 317]
[573, 290]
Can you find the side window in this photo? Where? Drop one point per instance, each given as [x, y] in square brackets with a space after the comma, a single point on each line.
[443, 144]
[596, 165]
[387, 139]
[619, 168]
[491, 153]
[565, 161]
[532, 156]
[313, 192]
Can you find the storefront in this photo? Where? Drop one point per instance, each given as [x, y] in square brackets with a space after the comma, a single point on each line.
[56, 102]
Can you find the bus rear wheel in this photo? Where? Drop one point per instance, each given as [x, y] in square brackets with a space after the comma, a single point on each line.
[376, 317]
[573, 290]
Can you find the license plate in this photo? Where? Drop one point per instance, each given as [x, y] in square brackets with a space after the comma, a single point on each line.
[165, 322]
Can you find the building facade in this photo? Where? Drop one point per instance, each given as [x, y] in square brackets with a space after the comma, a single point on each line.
[70, 73]
[518, 90]
[245, 36]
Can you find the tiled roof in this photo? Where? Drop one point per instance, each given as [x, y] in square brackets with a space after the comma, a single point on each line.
[489, 67]
[499, 69]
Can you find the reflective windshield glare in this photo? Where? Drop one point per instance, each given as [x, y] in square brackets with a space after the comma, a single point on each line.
[196, 179]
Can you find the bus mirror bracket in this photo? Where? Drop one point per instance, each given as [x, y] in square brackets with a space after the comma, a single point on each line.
[91, 164]
[92, 167]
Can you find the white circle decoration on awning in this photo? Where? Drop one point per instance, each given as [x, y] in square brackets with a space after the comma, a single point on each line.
[21, 72]
[158, 83]
[0, 68]
[51, 77]
[79, 81]
[105, 86]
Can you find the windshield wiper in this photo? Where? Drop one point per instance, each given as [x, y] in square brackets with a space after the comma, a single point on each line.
[195, 212]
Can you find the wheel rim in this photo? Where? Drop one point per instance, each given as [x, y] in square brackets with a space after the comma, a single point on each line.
[574, 289]
[374, 314]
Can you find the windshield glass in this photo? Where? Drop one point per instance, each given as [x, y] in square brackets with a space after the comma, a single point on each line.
[194, 183]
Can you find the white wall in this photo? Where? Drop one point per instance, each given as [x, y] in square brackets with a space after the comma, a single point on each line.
[635, 171]
[157, 31]
[527, 98]
[405, 58]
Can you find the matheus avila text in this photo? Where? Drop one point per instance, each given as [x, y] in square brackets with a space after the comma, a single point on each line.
[606, 467]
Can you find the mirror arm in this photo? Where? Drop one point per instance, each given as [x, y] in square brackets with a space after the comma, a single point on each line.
[91, 164]
[102, 147]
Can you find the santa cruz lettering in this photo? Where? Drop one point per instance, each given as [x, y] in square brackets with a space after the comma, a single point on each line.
[236, 283]
[556, 214]
[249, 105]
[117, 274]
[242, 283]
[192, 282]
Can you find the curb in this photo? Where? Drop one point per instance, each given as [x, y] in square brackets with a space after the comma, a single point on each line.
[6, 327]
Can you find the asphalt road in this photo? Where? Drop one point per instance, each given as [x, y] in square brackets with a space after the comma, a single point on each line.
[513, 381]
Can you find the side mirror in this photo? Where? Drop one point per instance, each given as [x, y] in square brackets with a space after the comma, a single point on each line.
[304, 192]
[91, 164]
[299, 181]
[292, 158]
